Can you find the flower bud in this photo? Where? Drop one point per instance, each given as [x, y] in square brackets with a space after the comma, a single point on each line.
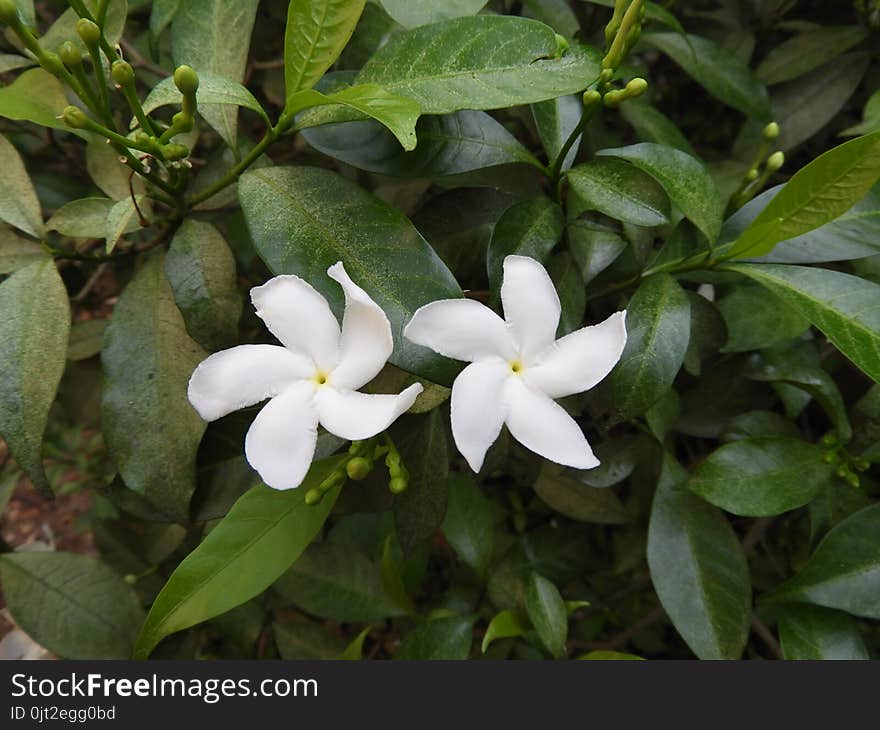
[122, 73]
[88, 31]
[186, 80]
[52, 63]
[830, 439]
[398, 485]
[70, 54]
[771, 131]
[592, 97]
[605, 75]
[775, 161]
[130, 578]
[829, 457]
[75, 117]
[182, 122]
[392, 460]
[358, 468]
[752, 174]
[175, 151]
[861, 464]
[313, 496]
[853, 480]
[636, 87]
[9, 12]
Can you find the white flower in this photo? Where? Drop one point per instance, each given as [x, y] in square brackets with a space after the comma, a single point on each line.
[312, 379]
[518, 366]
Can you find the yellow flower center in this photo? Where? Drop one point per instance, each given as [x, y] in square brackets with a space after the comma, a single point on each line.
[517, 367]
[320, 378]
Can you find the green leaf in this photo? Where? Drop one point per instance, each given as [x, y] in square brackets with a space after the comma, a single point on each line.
[305, 219]
[820, 192]
[18, 201]
[201, 271]
[17, 252]
[335, 582]
[547, 612]
[121, 218]
[214, 89]
[86, 339]
[846, 308]
[658, 331]
[806, 51]
[720, 72]
[685, 180]
[652, 125]
[761, 477]
[471, 63]
[566, 277]
[413, 13]
[555, 120]
[263, 534]
[392, 580]
[562, 491]
[355, 649]
[530, 228]
[75, 606]
[593, 247]
[148, 358]
[611, 656]
[35, 96]
[162, 12]
[419, 511]
[440, 638]
[108, 173]
[504, 625]
[698, 569]
[447, 145]
[397, 113]
[812, 632]
[85, 218]
[213, 36]
[756, 319]
[64, 28]
[33, 348]
[317, 31]
[469, 524]
[300, 638]
[621, 191]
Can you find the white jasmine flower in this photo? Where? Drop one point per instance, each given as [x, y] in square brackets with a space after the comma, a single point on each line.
[313, 378]
[518, 366]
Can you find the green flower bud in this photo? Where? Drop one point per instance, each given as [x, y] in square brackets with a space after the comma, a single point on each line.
[830, 439]
[398, 485]
[313, 496]
[853, 480]
[175, 151]
[775, 161]
[771, 131]
[130, 578]
[605, 75]
[88, 31]
[861, 464]
[9, 13]
[70, 54]
[122, 73]
[636, 87]
[829, 457]
[392, 460]
[843, 472]
[614, 97]
[75, 117]
[752, 175]
[186, 80]
[561, 45]
[52, 63]
[356, 447]
[182, 122]
[358, 468]
[592, 97]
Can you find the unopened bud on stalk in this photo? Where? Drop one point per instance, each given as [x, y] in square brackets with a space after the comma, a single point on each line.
[70, 54]
[75, 117]
[88, 31]
[358, 468]
[398, 485]
[775, 161]
[752, 175]
[52, 63]
[182, 122]
[771, 131]
[174, 151]
[636, 87]
[313, 496]
[186, 80]
[122, 73]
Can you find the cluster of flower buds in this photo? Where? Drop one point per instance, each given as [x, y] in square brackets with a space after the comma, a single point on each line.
[763, 166]
[623, 31]
[848, 465]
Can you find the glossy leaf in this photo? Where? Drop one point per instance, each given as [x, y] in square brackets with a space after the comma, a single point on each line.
[684, 178]
[806, 51]
[756, 319]
[561, 490]
[820, 192]
[761, 477]
[658, 331]
[263, 534]
[593, 247]
[470, 63]
[305, 219]
[698, 569]
[440, 638]
[719, 71]
[75, 606]
[505, 624]
[547, 612]
[19, 206]
[813, 633]
[469, 524]
[413, 13]
[355, 649]
[148, 358]
[556, 120]
[33, 349]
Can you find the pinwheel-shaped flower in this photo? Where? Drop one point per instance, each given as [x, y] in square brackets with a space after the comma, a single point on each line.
[518, 366]
[312, 379]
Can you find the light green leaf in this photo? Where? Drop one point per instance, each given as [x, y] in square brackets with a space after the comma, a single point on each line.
[355, 649]
[213, 89]
[469, 524]
[561, 490]
[820, 192]
[802, 53]
[33, 348]
[685, 180]
[761, 477]
[504, 625]
[317, 31]
[698, 569]
[85, 218]
[846, 308]
[17, 252]
[413, 13]
[720, 72]
[108, 173]
[263, 534]
[201, 271]
[844, 572]
[64, 29]
[86, 339]
[13, 61]
[121, 218]
[471, 63]
[440, 638]
[213, 36]
[18, 200]
[148, 358]
[75, 606]
[813, 633]
[305, 219]
[547, 612]
[658, 330]
[621, 191]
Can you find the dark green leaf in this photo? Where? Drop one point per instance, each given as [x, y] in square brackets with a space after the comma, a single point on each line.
[469, 525]
[562, 491]
[756, 319]
[621, 191]
[569, 283]
[653, 126]
[546, 611]
[593, 247]
[806, 51]
[17, 252]
[556, 120]
[813, 632]
[299, 638]
[439, 638]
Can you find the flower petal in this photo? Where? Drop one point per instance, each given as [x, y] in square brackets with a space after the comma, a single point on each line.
[299, 317]
[243, 375]
[353, 416]
[578, 361]
[531, 305]
[479, 408]
[544, 427]
[366, 335]
[281, 441]
[462, 329]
